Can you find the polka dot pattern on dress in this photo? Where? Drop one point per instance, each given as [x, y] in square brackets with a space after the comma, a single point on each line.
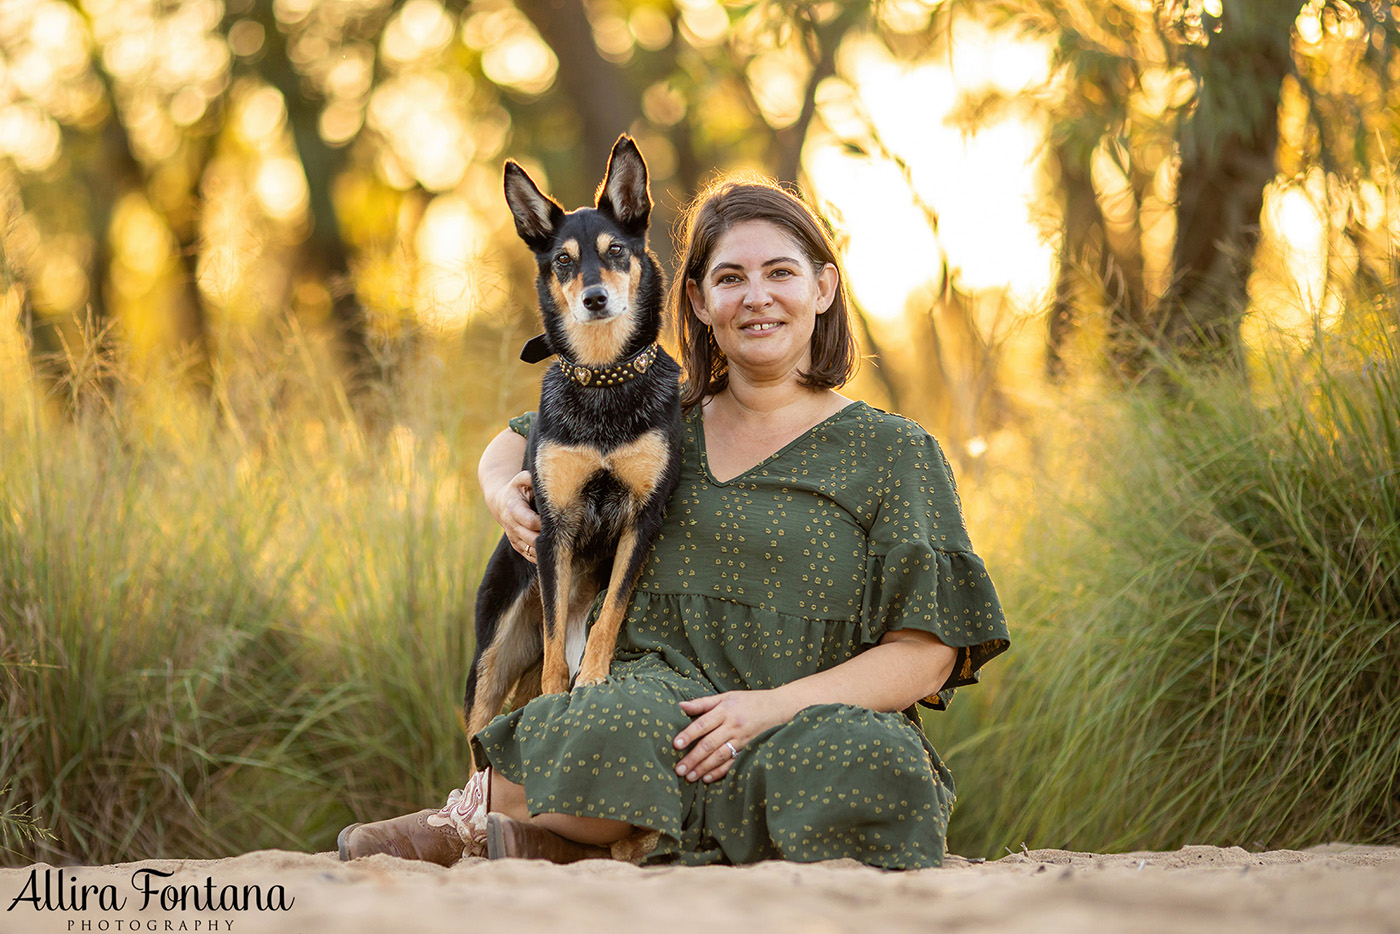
[792, 567]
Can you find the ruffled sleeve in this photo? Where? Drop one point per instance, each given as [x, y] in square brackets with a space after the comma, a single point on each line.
[921, 572]
[521, 424]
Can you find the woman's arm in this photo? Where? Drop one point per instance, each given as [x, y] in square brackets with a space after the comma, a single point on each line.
[907, 666]
[507, 490]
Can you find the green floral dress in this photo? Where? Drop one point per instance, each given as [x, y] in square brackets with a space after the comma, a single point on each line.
[790, 568]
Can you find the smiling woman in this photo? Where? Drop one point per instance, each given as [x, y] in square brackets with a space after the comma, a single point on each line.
[752, 248]
[766, 305]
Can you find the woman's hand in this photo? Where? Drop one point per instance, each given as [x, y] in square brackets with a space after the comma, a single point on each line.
[511, 504]
[733, 717]
[507, 491]
[907, 665]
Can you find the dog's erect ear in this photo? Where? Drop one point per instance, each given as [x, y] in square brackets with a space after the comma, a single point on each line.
[537, 216]
[623, 193]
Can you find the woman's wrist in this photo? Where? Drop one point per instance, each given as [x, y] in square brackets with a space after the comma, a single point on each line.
[495, 503]
[792, 698]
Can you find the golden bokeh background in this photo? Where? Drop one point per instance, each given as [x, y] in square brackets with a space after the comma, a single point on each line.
[1133, 262]
[199, 181]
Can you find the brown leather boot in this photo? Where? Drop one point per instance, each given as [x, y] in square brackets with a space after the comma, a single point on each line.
[407, 837]
[507, 838]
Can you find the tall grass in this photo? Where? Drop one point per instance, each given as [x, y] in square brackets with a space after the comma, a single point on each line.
[218, 634]
[1207, 614]
[239, 630]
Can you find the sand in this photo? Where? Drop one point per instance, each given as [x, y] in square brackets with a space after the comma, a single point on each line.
[1336, 888]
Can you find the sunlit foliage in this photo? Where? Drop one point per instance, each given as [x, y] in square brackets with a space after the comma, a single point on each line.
[258, 248]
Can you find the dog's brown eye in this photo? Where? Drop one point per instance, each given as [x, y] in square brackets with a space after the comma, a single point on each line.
[614, 249]
[563, 259]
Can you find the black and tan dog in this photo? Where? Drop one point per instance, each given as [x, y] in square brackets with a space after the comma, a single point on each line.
[604, 451]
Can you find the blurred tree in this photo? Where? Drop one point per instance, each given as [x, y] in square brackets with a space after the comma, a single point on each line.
[390, 109]
[1165, 135]
[1227, 147]
[59, 71]
[958, 384]
[706, 87]
[1095, 265]
[597, 90]
[1111, 104]
[171, 187]
[1343, 134]
[268, 52]
[1242, 59]
[44, 191]
[1179, 106]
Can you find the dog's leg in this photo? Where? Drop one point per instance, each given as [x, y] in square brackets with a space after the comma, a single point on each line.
[602, 638]
[644, 466]
[515, 647]
[527, 687]
[561, 473]
[584, 589]
[556, 572]
[508, 579]
[502, 663]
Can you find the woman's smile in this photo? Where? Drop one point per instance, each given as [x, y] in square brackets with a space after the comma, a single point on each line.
[761, 327]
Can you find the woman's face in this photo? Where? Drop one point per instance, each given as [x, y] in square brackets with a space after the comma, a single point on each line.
[761, 297]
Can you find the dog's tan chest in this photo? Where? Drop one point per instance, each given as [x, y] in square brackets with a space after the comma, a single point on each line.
[564, 469]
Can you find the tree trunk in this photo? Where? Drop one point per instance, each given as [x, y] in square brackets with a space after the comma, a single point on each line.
[1227, 160]
[120, 172]
[1081, 261]
[323, 253]
[1217, 232]
[596, 88]
[1132, 327]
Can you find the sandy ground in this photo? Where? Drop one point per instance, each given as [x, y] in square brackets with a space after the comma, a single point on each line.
[1336, 888]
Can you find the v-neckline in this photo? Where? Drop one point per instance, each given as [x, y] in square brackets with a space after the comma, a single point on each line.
[705, 454]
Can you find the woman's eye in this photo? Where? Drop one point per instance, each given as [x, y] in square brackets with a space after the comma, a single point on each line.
[781, 273]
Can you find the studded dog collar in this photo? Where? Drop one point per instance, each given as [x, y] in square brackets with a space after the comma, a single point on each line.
[612, 375]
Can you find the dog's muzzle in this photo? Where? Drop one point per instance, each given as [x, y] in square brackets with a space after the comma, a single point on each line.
[595, 303]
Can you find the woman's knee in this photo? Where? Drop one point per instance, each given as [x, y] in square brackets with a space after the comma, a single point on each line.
[848, 738]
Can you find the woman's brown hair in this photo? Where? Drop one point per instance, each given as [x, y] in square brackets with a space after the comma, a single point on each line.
[724, 204]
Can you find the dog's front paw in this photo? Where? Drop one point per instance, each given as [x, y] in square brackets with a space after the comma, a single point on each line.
[589, 675]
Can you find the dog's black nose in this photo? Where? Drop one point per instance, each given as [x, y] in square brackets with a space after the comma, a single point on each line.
[595, 298]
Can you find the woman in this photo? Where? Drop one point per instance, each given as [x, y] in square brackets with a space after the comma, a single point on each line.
[813, 578]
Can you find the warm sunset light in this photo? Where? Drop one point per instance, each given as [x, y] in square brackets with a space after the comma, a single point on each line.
[1105, 442]
[917, 185]
[456, 265]
[981, 184]
[1294, 217]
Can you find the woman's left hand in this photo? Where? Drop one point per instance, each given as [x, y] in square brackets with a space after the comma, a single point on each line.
[734, 717]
